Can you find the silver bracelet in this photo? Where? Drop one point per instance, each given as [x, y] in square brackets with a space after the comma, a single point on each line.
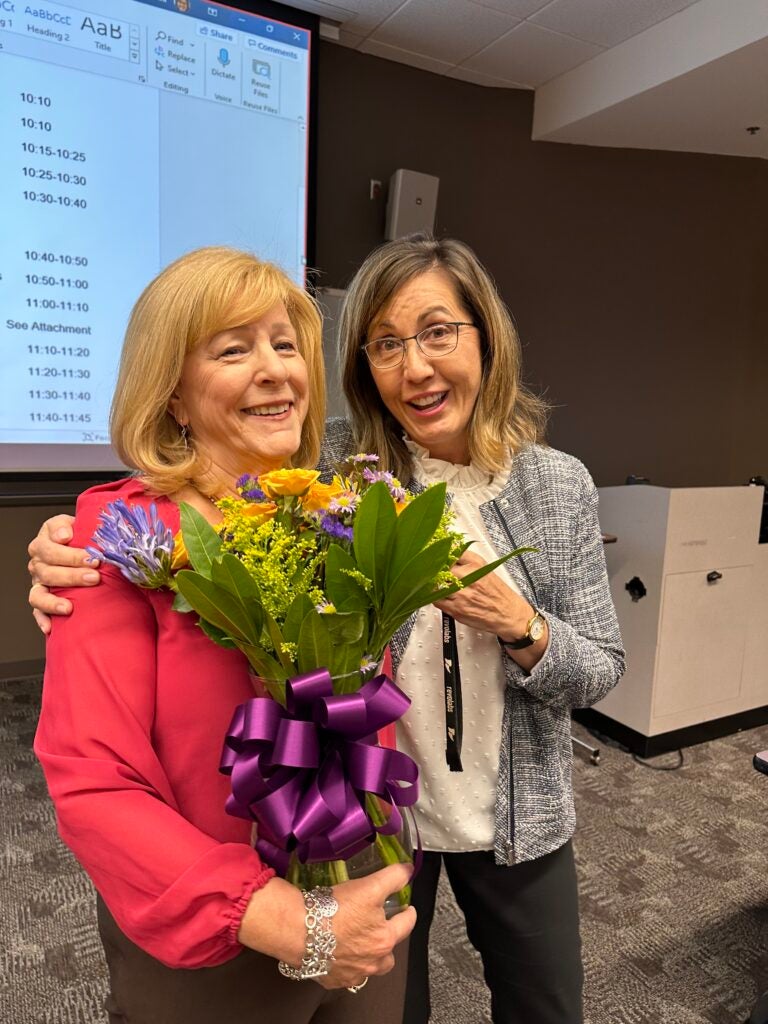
[320, 905]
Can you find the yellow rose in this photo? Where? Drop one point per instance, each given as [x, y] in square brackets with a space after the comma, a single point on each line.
[180, 556]
[287, 482]
[319, 496]
[263, 510]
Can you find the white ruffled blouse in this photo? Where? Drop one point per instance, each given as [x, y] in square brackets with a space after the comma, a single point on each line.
[455, 811]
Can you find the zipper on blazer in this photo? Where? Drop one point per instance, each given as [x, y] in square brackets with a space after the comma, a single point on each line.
[511, 859]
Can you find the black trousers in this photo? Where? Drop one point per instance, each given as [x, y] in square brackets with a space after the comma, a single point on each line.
[524, 922]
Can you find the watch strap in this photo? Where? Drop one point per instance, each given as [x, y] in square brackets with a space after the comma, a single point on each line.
[526, 639]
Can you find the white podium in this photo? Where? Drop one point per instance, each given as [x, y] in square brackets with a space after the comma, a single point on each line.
[690, 585]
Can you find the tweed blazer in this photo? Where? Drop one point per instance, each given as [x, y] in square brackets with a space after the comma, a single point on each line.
[548, 502]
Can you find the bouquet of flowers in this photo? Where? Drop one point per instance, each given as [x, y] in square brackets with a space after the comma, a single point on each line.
[310, 581]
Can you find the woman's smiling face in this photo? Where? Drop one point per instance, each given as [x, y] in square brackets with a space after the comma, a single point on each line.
[432, 399]
[244, 395]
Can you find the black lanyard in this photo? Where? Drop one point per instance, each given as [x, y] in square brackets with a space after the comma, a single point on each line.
[452, 680]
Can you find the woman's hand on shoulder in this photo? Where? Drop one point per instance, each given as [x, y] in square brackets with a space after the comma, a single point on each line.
[273, 923]
[52, 563]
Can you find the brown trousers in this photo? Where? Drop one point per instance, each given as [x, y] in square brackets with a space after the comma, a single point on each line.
[245, 990]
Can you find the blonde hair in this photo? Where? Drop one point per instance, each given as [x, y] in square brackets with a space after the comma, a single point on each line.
[506, 415]
[202, 293]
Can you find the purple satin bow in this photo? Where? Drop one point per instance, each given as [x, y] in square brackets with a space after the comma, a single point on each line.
[302, 771]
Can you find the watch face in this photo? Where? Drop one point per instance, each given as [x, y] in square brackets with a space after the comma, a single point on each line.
[536, 632]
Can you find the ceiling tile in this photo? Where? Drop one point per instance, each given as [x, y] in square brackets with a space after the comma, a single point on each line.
[350, 39]
[478, 78]
[531, 55]
[361, 16]
[517, 8]
[606, 22]
[416, 60]
[449, 33]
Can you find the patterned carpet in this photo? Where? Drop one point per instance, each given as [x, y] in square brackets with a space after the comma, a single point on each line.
[674, 891]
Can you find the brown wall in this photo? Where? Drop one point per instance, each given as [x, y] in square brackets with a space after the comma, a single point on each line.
[21, 643]
[637, 277]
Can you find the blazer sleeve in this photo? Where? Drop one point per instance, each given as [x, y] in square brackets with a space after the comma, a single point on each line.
[584, 658]
[175, 891]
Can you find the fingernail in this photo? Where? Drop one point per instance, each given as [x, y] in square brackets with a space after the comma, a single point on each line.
[61, 609]
[91, 577]
[62, 535]
[90, 560]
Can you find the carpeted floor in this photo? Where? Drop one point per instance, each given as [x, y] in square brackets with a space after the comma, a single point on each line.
[674, 892]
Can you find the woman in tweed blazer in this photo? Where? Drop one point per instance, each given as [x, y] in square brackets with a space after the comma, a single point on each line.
[431, 372]
[450, 382]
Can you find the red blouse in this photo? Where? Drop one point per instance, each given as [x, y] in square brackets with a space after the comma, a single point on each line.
[136, 702]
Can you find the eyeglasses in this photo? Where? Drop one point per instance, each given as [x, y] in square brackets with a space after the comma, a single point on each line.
[434, 342]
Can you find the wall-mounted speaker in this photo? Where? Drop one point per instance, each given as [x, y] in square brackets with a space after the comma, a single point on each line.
[411, 203]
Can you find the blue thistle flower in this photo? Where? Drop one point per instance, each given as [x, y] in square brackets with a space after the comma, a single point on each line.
[140, 545]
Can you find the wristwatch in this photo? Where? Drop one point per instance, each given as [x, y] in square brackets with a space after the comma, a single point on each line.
[534, 631]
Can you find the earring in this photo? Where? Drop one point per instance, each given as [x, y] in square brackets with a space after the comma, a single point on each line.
[185, 436]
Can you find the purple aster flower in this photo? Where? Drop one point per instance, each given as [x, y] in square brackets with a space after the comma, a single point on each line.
[373, 476]
[248, 486]
[335, 528]
[344, 503]
[362, 457]
[396, 489]
[140, 545]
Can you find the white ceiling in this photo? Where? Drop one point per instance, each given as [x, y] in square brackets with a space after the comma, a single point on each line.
[658, 74]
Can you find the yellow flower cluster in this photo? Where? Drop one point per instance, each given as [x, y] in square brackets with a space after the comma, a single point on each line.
[286, 483]
[282, 563]
[180, 557]
[319, 496]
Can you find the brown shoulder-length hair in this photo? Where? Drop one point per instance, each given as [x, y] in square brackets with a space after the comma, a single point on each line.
[202, 293]
[506, 415]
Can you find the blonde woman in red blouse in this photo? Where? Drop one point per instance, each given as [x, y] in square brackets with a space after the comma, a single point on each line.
[221, 374]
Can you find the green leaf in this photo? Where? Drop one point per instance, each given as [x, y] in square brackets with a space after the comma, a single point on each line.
[374, 530]
[298, 609]
[427, 596]
[263, 663]
[345, 627]
[202, 542]
[415, 527]
[477, 574]
[417, 575]
[315, 647]
[269, 671]
[345, 667]
[217, 635]
[181, 604]
[344, 592]
[216, 605]
[229, 573]
[275, 634]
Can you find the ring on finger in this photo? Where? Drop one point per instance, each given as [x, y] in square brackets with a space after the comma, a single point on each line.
[356, 988]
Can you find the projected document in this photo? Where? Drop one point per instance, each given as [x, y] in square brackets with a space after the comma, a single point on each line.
[131, 131]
